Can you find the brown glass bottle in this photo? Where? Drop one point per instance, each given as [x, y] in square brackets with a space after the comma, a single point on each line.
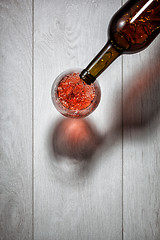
[131, 29]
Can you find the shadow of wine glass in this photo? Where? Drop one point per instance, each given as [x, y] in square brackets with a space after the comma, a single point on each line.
[73, 143]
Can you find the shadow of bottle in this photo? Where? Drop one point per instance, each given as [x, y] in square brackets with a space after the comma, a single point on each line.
[139, 110]
[141, 100]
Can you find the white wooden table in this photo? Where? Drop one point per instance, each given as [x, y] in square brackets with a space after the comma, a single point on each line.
[104, 185]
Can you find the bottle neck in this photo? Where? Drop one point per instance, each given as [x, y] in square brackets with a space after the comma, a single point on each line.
[103, 59]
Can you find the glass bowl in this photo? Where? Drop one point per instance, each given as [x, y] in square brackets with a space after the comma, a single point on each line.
[74, 113]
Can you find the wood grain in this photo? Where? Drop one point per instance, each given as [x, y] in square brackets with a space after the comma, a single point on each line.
[16, 120]
[141, 145]
[78, 184]
[77, 177]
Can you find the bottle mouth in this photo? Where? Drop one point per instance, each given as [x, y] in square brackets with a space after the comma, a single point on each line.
[74, 113]
[87, 77]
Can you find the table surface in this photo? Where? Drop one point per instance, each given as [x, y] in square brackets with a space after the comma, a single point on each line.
[89, 179]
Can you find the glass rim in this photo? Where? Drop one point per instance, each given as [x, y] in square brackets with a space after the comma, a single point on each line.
[73, 113]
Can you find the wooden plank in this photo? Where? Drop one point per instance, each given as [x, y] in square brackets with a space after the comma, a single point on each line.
[16, 120]
[78, 192]
[141, 148]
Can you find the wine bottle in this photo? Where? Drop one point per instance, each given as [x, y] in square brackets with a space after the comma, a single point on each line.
[132, 28]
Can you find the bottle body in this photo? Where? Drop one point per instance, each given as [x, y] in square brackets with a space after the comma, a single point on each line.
[131, 29]
[135, 25]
